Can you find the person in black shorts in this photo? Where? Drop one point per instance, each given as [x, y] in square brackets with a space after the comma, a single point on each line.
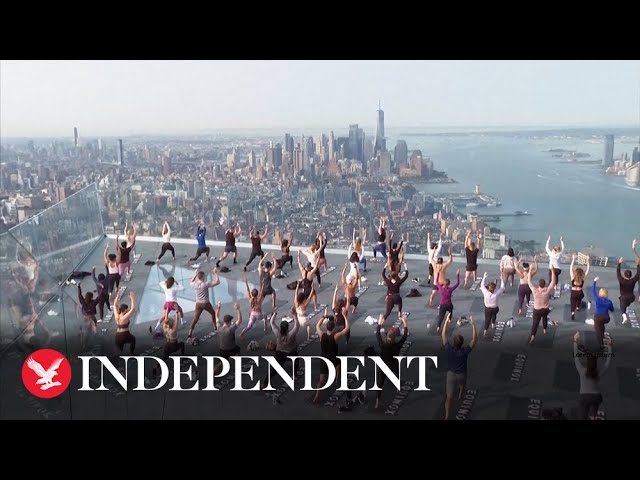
[321, 244]
[471, 250]
[230, 236]
[256, 244]
[266, 274]
[329, 348]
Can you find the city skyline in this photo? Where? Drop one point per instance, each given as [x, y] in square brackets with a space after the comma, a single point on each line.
[194, 97]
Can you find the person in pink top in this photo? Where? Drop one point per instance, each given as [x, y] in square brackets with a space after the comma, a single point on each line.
[541, 295]
[446, 292]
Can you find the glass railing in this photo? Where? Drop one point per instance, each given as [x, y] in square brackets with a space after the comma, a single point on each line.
[36, 258]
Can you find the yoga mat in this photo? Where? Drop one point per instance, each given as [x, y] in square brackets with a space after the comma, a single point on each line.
[477, 307]
[524, 408]
[565, 376]
[629, 382]
[508, 363]
[542, 340]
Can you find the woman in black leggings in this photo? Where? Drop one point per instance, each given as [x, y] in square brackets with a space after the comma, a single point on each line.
[122, 315]
[393, 291]
[329, 348]
[578, 277]
[285, 249]
[627, 284]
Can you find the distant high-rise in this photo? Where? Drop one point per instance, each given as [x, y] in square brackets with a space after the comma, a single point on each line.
[635, 156]
[166, 166]
[381, 143]
[607, 161]
[400, 154]
[75, 137]
[355, 145]
[252, 159]
[288, 144]
[120, 153]
[331, 145]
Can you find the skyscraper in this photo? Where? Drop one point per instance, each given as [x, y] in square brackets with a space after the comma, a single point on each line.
[331, 145]
[120, 153]
[607, 161]
[75, 137]
[381, 144]
[635, 156]
[355, 145]
[288, 144]
[400, 154]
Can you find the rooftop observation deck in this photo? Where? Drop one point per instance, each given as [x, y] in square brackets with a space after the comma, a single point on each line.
[507, 378]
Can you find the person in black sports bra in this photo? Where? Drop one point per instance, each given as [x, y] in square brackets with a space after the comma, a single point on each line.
[329, 348]
[122, 315]
[578, 277]
[321, 244]
[256, 244]
[395, 249]
[471, 250]
[627, 284]
[285, 249]
[230, 236]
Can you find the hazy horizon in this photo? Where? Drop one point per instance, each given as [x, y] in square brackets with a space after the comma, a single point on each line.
[47, 99]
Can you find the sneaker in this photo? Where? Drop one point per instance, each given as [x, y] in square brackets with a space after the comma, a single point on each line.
[589, 321]
[573, 317]
[625, 319]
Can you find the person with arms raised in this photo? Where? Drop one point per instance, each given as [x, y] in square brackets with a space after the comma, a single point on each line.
[491, 308]
[457, 356]
[601, 312]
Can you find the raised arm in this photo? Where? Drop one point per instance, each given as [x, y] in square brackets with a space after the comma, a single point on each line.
[594, 288]
[546, 247]
[619, 269]
[635, 253]
[80, 299]
[438, 248]
[106, 255]
[296, 325]
[335, 298]
[319, 325]
[266, 232]
[571, 272]
[554, 281]
[274, 264]
[449, 260]
[353, 237]
[93, 275]
[561, 245]
[216, 278]
[474, 332]
[483, 287]
[238, 231]
[309, 298]
[516, 265]
[246, 284]
[586, 272]
[447, 319]
[405, 276]
[467, 240]
[457, 284]
[534, 267]
[274, 327]
[251, 231]
[529, 282]
[238, 314]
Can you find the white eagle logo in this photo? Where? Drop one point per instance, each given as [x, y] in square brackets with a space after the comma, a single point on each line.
[45, 376]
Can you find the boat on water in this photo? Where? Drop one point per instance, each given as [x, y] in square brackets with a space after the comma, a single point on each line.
[472, 204]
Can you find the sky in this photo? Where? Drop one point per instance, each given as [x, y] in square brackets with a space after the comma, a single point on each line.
[120, 98]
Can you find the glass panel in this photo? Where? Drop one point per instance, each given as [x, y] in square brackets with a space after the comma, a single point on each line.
[36, 257]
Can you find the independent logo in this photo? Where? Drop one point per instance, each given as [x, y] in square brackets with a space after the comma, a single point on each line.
[46, 373]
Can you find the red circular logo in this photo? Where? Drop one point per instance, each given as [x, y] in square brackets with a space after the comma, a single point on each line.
[46, 373]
